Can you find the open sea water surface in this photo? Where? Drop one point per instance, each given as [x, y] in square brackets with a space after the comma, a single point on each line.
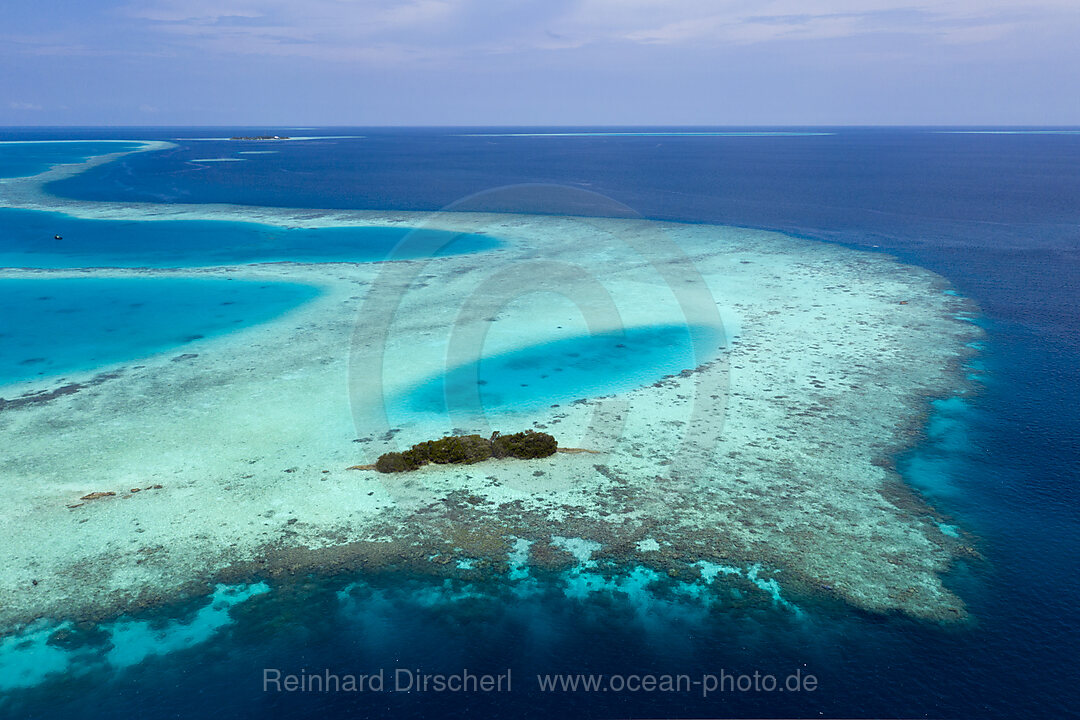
[41, 239]
[23, 159]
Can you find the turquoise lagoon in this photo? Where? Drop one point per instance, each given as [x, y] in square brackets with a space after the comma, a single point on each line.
[23, 159]
[563, 370]
[28, 238]
[59, 325]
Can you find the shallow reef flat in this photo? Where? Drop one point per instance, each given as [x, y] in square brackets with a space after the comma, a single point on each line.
[770, 451]
[30, 159]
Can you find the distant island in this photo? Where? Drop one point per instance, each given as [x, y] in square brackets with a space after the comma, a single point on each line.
[260, 137]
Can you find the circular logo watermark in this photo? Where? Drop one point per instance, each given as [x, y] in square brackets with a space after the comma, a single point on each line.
[424, 344]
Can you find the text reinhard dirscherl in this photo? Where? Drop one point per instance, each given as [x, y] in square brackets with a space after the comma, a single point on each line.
[404, 680]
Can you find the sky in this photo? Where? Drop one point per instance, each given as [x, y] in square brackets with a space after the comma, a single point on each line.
[539, 62]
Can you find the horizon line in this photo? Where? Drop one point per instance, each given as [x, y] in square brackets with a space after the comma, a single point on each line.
[301, 126]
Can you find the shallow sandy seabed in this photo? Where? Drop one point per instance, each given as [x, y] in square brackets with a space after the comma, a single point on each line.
[775, 452]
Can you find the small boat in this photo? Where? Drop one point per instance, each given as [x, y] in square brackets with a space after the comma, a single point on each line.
[58, 237]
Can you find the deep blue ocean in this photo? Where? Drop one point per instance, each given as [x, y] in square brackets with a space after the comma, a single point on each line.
[997, 214]
[42, 239]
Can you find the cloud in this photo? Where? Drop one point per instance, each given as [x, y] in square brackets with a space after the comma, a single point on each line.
[686, 22]
[371, 31]
[18, 105]
[169, 11]
[754, 29]
[387, 32]
[486, 25]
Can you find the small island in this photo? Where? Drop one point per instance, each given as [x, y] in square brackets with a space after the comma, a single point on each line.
[468, 449]
[260, 137]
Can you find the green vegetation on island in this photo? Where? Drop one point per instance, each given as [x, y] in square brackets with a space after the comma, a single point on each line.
[469, 449]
